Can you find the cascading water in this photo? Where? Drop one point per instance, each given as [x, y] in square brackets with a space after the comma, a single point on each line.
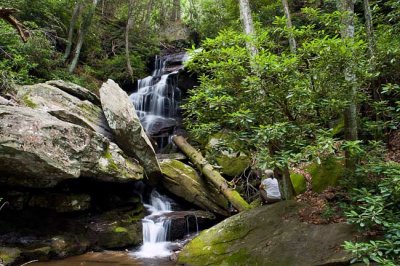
[157, 102]
[155, 228]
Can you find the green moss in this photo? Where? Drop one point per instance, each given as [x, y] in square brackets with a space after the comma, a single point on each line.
[112, 166]
[326, 174]
[28, 102]
[323, 175]
[299, 183]
[120, 230]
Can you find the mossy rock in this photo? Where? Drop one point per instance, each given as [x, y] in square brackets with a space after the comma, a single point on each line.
[269, 235]
[232, 160]
[299, 183]
[323, 175]
[9, 255]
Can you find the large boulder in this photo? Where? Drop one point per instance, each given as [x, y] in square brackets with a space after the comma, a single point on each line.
[128, 131]
[39, 150]
[25, 236]
[269, 235]
[183, 181]
[63, 105]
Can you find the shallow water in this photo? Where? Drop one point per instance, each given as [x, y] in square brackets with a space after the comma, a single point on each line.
[106, 258]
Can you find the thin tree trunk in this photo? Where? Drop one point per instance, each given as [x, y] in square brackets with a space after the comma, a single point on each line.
[74, 19]
[350, 113]
[209, 172]
[85, 27]
[292, 40]
[176, 10]
[247, 21]
[369, 28]
[127, 29]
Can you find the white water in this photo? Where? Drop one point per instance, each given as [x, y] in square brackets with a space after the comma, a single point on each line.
[157, 100]
[155, 228]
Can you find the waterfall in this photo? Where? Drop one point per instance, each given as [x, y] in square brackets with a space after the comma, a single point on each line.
[155, 228]
[157, 101]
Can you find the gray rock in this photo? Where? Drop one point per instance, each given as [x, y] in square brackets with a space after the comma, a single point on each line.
[128, 131]
[64, 106]
[38, 150]
[183, 181]
[269, 235]
[75, 90]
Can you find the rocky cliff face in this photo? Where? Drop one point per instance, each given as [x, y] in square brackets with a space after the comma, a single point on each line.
[69, 187]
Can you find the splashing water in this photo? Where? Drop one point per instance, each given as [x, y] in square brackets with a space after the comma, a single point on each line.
[155, 228]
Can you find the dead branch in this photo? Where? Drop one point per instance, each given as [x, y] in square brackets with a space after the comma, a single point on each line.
[6, 14]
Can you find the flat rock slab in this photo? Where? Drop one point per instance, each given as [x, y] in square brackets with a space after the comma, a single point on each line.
[128, 131]
[269, 235]
[75, 90]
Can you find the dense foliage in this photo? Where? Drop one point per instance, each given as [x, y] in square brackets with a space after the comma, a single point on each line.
[287, 108]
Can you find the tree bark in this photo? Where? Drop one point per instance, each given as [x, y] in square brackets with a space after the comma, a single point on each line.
[127, 29]
[85, 27]
[369, 28]
[213, 175]
[6, 14]
[292, 40]
[176, 10]
[248, 26]
[350, 113]
[74, 19]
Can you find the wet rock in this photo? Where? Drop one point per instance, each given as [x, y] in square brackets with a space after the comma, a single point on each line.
[64, 106]
[183, 181]
[128, 131]
[38, 150]
[187, 222]
[269, 235]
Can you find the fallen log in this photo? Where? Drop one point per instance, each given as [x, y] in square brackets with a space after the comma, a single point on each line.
[6, 14]
[213, 175]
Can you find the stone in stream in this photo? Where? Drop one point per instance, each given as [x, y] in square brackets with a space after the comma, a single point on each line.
[183, 181]
[269, 235]
[128, 131]
[39, 150]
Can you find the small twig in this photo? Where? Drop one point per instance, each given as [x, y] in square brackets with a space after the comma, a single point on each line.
[4, 204]
[29, 262]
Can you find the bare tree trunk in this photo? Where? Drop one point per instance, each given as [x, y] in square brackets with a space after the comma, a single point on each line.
[247, 21]
[127, 29]
[350, 113]
[176, 10]
[292, 40]
[209, 172]
[74, 19]
[369, 28]
[6, 14]
[85, 27]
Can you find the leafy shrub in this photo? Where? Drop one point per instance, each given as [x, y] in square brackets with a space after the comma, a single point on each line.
[377, 208]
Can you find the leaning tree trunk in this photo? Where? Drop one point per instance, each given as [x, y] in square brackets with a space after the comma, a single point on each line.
[248, 27]
[350, 113]
[85, 27]
[213, 175]
[74, 19]
[6, 14]
[292, 40]
[127, 29]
